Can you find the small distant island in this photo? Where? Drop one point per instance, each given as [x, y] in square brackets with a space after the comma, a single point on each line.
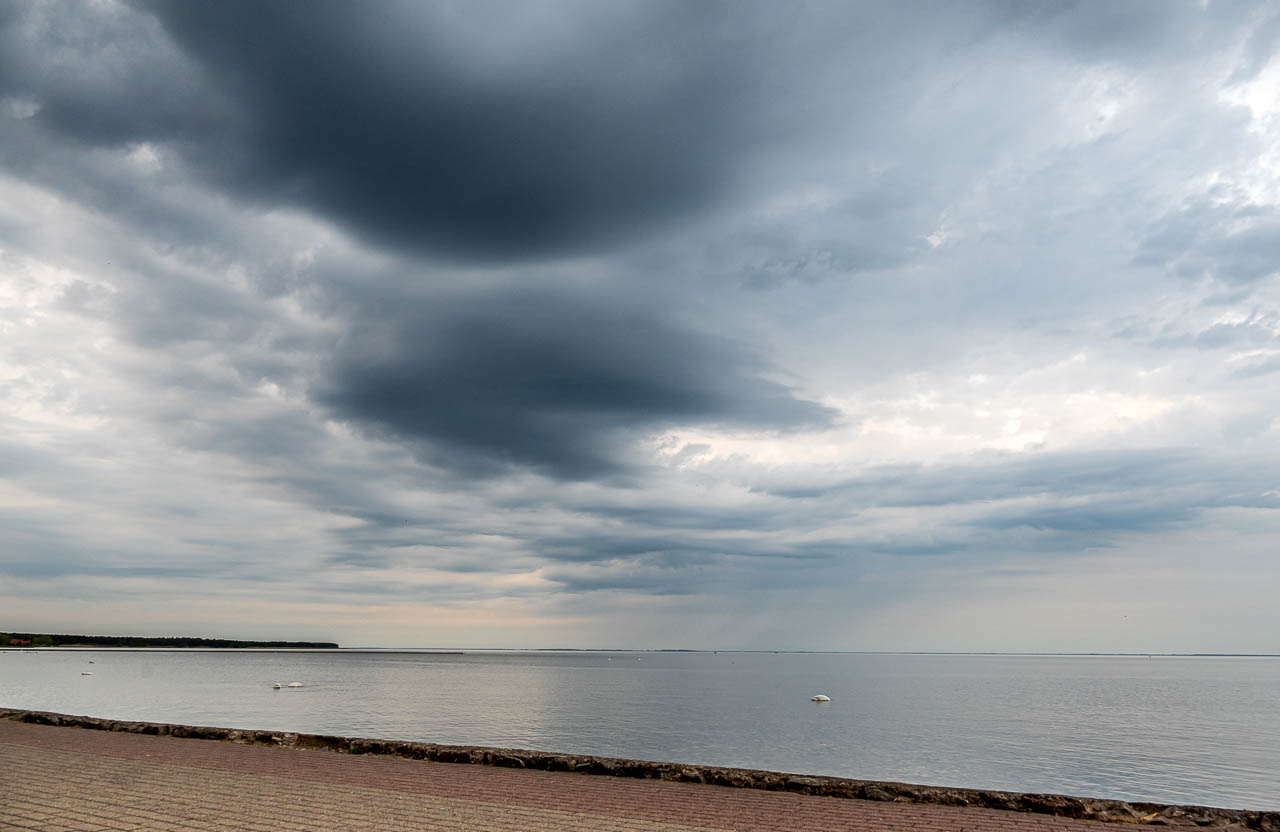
[61, 640]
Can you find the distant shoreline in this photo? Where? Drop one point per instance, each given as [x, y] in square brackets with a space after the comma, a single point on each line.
[92, 648]
[82, 642]
[48, 640]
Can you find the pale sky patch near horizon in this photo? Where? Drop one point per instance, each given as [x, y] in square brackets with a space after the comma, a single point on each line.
[851, 326]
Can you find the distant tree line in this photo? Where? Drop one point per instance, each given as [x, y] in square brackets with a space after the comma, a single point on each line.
[57, 640]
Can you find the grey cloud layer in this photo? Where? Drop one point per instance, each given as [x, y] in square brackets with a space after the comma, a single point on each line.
[446, 303]
[422, 126]
[549, 381]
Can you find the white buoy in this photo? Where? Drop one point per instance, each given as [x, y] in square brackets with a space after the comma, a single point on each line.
[295, 684]
[820, 698]
[276, 686]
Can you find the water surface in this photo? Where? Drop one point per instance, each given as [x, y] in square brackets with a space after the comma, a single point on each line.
[1173, 729]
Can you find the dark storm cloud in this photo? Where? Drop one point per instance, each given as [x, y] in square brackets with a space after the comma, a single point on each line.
[499, 132]
[426, 128]
[556, 382]
[386, 122]
[541, 128]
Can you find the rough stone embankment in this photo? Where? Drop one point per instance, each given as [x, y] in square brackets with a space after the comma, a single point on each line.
[1116, 811]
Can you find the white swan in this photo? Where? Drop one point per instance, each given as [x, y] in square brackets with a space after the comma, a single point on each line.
[295, 684]
[276, 686]
[820, 698]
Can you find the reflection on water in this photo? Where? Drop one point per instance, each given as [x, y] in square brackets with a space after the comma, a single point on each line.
[1186, 730]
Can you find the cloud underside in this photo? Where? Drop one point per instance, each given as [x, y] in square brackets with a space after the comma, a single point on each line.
[458, 133]
[549, 382]
[586, 309]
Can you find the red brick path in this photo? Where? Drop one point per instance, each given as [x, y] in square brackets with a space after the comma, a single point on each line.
[55, 779]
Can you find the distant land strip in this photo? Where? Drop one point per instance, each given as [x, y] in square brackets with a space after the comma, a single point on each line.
[63, 640]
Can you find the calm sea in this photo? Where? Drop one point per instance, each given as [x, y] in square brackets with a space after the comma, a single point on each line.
[1184, 730]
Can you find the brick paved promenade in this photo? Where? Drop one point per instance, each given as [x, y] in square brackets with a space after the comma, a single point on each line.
[58, 778]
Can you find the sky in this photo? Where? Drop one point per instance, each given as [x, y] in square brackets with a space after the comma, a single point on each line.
[724, 325]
